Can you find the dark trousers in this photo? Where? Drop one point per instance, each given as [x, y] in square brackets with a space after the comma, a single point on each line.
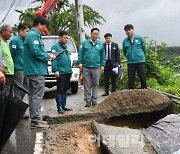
[140, 68]
[63, 83]
[109, 75]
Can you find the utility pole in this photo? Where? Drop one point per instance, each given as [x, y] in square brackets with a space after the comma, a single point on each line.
[80, 21]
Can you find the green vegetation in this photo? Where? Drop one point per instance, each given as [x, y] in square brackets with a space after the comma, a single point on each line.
[171, 58]
[160, 75]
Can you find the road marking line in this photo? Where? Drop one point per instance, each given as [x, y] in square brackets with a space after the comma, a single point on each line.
[38, 148]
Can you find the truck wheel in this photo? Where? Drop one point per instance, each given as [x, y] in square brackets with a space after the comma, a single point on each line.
[74, 87]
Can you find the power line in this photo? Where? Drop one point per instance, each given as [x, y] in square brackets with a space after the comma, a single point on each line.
[8, 11]
[11, 14]
[19, 4]
[26, 7]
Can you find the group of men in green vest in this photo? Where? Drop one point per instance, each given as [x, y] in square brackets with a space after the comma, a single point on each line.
[25, 60]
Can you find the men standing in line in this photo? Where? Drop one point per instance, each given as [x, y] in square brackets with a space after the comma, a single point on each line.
[35, 67]
[5, 34]
[91, 59]
[17, 52]
[62, 71]
[112, 60]
[134, 49]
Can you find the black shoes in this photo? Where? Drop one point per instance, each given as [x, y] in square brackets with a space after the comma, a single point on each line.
[105, 94]
[94, 103]
[88, 104]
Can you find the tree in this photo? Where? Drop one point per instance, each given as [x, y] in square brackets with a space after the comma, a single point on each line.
[171, 58]
[63, 18]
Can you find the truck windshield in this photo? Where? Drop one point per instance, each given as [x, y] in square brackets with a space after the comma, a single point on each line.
[49, 41]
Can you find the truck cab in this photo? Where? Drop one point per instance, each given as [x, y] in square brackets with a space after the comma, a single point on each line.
[50, 79]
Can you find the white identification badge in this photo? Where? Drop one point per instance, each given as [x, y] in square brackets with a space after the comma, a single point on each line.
[36, 42]
[97, 46]
[14, 46]
[53, 51]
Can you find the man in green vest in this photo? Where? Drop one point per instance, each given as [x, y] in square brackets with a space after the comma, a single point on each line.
[17, 52]
[35, 68]
[62, 71]
[134, 49]
[5, 34]
[91, 59]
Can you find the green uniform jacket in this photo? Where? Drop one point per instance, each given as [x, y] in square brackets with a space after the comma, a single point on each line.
[134, 51]
[6, 54]
[17, 51]
[63, 62]
[90, 55]
[35, 56]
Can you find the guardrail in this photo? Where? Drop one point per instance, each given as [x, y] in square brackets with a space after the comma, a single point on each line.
[169, 95]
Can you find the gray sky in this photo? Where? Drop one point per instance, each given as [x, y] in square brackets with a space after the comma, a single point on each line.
[8, 7]
[156, 19]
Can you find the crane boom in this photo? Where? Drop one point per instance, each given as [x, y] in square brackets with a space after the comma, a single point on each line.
[47, 8]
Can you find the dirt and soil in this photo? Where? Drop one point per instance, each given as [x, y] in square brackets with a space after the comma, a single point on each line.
[127, 102]
[70, 136]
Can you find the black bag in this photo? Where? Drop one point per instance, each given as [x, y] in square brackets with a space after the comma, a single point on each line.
[11, 112]
[2, 113]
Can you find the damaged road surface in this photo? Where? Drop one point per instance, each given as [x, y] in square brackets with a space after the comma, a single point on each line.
[122, 140]
[124, 102]
[112, 126]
